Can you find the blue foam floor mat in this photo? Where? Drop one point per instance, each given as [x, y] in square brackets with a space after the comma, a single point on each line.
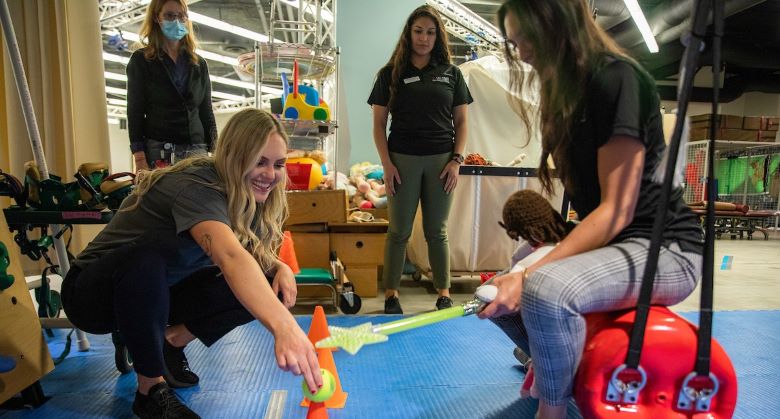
[462, 368]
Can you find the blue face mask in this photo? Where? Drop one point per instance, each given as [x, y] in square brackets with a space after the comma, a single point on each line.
[173, 29]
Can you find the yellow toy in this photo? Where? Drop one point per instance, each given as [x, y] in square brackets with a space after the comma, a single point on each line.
[304, 102]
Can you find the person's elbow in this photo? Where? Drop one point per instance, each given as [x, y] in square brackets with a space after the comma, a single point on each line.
[230, 257]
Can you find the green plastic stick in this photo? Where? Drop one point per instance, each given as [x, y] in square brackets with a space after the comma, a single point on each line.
[419, 320]
[351, 339]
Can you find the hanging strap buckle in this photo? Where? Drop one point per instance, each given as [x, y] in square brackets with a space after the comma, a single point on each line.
[625, 384]
[697, 392]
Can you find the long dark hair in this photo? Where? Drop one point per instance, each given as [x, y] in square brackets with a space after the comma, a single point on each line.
[567, 46]
[400, 58]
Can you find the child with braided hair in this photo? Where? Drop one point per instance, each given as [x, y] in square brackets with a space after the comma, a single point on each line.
[528, 215]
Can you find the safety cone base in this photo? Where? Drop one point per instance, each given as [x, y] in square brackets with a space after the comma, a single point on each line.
[338, 401]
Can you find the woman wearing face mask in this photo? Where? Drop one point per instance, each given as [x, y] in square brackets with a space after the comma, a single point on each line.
[169, 110]
[427, 98]
[192, 254]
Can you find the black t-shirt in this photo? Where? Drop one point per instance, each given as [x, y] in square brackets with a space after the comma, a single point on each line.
[621, 99]
[422, 121]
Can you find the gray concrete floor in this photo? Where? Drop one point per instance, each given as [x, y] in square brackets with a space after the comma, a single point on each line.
[752, 283]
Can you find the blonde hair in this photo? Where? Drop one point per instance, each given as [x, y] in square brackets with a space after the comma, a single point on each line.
[235, 155]
[152, 38]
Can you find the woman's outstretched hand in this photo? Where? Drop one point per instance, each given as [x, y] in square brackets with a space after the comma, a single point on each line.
[296, 354]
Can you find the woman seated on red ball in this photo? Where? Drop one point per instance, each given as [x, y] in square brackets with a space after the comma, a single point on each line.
[601, 124]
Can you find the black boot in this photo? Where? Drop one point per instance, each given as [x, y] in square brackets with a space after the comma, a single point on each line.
[161, 402]
[393, 305]
[177, 370]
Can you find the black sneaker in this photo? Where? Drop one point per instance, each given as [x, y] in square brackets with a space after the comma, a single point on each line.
[443, 302]
[393, 306]
[161, 402]
[177, 370]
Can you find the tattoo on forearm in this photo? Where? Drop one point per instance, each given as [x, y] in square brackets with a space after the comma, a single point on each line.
[205, 243]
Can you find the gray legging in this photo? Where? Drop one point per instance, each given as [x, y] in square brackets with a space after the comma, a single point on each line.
[551, 324]
[419, 183]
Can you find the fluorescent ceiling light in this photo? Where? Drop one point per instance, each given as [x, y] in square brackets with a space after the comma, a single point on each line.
[221, 95]
[117, 102]
[465, 17]
[131, 36]
[227, 27]
[641, 24]
[215, 79]
[227, 96]
[116, 91]
[244, 85]
[115, 58]
[311, 9]
[115, 76]
[217, 57]
[113, 121]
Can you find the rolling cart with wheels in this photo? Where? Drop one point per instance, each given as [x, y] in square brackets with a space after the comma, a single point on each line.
[342, 291]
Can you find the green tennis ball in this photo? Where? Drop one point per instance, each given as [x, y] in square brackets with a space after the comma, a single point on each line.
[325, 392]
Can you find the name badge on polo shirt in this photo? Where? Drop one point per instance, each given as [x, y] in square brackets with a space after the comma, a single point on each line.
[441, 79]
[411, 79]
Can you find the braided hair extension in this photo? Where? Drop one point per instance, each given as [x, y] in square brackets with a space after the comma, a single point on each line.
[528, 215]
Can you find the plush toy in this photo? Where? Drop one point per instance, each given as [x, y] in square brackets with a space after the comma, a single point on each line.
[370, 191]
[376, 200]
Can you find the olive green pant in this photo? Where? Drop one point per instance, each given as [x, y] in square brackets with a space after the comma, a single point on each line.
[419, 183]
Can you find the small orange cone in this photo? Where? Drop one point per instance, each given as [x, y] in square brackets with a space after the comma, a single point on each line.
[318, 331]
[317, 411]
[287, 253]
[319, 326]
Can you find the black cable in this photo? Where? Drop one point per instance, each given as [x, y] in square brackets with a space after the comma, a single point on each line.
[688, 70]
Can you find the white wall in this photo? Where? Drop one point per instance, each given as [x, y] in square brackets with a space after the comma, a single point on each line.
[749, 104]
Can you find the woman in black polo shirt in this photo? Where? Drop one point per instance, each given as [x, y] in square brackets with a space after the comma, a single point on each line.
[601, 124]
[168, 90]
[427, 98]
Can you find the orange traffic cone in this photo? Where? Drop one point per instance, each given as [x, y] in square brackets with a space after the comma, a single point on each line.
[319, 326]
[339, 398]
[317, 411]
[318, 331]
[287, 253]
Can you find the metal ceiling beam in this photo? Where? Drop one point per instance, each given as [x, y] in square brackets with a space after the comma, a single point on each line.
[462, 22]
[114, 14]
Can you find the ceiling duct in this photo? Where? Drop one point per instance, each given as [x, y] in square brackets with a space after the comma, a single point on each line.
[670, 20]
[610, 13]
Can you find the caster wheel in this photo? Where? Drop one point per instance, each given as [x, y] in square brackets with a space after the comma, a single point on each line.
[122, 358]
[417, 276]
[348, 308]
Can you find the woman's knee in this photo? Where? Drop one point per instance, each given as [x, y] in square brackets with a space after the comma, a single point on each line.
[399, 235]
[543, 288]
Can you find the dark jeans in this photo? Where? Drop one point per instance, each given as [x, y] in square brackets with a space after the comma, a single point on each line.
[127, 291]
